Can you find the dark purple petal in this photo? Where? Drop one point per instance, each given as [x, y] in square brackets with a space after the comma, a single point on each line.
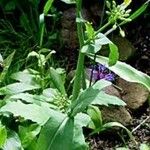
[101, 68]
[110, 77]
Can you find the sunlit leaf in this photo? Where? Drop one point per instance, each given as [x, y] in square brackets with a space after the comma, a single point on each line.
[144, 146]
[89, 30]
[106, 99]
[125, 71]
[111, 125]
[33, 112]
[57, 134]
[139, 11]
[95, 115]
[17, 88]
[57, 81]
[13, 142]
[113, 55]
[96, 45]
[48, 6]
[28, 133]
[3, 135]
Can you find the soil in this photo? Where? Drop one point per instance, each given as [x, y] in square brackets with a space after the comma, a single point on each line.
[139, 35]
[113, 139]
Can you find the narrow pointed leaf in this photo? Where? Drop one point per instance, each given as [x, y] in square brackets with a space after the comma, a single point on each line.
[48, 6]
[87, 96]
[57, 81]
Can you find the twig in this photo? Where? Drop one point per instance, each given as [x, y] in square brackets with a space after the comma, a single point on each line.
[140, 124]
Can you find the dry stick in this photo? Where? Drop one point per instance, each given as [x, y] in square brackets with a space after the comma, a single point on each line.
[140, 124]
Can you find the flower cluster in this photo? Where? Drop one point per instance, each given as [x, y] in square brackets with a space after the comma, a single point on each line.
[118, 12]
[101, 72]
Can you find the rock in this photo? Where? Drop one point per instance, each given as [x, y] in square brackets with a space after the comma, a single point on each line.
[117, 114]
[112, 91]
[134, 94]
[126, 48]
[68, 27]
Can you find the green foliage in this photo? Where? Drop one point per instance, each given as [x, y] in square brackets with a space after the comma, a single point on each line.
[87, 96]
[13, 142]
[5, 64]
[33, 112]
[28, 134]
[3, 135]
[126, 72]
[45, 116]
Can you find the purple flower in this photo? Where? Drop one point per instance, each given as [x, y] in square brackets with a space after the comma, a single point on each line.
[101, 72]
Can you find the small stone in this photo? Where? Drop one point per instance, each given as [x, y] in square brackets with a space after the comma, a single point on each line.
[117, 114]
[134, 94]
[112, 91]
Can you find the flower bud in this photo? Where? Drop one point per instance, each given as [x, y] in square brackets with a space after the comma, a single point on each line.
[122, 33]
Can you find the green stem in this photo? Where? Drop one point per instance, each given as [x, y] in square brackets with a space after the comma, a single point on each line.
[80, 63]
[99, 30]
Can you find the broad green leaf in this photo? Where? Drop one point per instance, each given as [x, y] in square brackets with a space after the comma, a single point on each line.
[69, 1]
[33, 99]
[145, 146]
[7, 63]
[82, 119]
[87, 96]
[125, 71]
[96, 45]
[113, 55]
[95, 115]
[26, 77]
[89, 30]
[28, 133]
[3, 135]
[17, 88]
[57, 134]
[106, 99]
[29, 98]
[79, 139]
[48, 6]
[33, 112]
[57, 81]
[13, 142]
[101, 39]
[91, 48]
[50, 93]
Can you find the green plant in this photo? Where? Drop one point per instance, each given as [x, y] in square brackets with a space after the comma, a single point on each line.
[45, 116]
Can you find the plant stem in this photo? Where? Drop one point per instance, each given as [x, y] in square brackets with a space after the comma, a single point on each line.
[80, 63]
